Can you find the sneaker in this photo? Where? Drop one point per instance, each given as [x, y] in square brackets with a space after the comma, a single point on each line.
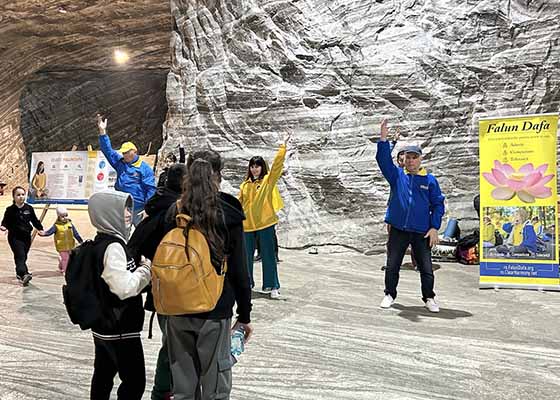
[274, 294]
[432, 306]
[387, 301]
[26, 279]
[257, 258]
[267, 290]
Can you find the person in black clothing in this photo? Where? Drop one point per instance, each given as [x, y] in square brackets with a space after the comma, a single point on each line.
[117, 339]
[144, 242]
[19, 220]
[169, 161]
[199, 344]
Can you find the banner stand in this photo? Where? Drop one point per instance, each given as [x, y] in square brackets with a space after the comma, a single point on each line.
[43, 214]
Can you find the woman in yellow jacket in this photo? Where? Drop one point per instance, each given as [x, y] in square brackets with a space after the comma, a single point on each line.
[256, 196]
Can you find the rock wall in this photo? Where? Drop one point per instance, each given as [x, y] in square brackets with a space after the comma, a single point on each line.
[48, 41]
[244, 71]
[58, 108]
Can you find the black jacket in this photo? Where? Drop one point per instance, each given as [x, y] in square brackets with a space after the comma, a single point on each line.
[122, 316]
[237, 288]
[20, 221]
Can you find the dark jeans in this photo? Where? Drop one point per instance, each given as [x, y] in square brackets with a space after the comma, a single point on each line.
[397, 245]
[20, 248]
[162, 379]
[124, 356]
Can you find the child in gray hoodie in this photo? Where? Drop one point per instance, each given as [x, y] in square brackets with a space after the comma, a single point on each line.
[118, 347]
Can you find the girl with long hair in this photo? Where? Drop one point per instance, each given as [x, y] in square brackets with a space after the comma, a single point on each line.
[256, 196]
[39, 181]
[199, 344]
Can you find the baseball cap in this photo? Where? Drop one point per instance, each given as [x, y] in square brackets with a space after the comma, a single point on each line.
[412, 149]
[127, 146]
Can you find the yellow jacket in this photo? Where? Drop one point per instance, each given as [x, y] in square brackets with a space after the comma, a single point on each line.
[488, 234]
[517, 234]
[64, 236]
[257, 197]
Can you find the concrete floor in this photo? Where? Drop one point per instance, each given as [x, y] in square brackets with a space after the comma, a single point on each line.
[327, 339]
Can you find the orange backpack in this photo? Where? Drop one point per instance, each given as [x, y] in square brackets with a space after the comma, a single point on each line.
[184, 281]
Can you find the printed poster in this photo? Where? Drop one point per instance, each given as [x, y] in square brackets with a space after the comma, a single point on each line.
[519, 202]
[68, 177]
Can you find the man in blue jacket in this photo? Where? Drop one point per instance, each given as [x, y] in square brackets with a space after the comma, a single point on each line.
[134, 176]
[414, 212]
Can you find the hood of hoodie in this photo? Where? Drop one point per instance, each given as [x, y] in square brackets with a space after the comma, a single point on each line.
[106, 212]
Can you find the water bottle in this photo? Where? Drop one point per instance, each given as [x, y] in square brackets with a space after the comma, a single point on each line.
[237, 343]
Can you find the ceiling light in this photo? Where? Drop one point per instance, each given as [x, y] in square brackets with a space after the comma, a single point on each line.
[120, 56]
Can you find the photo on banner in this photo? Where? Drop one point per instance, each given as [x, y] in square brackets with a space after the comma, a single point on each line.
[518, 200]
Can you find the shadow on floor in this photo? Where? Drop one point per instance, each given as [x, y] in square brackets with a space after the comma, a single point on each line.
[414, 313]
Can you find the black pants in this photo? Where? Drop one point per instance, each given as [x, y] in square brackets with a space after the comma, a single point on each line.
[398, 243]
[20, 248]
[124, 356]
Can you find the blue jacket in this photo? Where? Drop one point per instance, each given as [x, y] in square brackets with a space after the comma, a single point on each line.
[529, 237]
[136, 178]
[416, 202]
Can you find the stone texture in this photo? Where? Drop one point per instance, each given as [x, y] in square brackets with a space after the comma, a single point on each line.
[244, 71]
[71, 39]
[57, 109]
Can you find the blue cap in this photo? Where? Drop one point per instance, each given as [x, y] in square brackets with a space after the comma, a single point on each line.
[412, 149]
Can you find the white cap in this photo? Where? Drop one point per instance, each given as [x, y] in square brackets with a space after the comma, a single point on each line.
[61, 210]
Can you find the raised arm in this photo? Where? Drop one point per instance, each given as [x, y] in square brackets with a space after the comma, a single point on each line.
[278, 163]
[105, 143]
[383, 155]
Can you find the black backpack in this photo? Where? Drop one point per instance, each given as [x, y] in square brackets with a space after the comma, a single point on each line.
[85, 293]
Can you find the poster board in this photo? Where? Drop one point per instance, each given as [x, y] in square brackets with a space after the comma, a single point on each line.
[519, 202]
[70, 177]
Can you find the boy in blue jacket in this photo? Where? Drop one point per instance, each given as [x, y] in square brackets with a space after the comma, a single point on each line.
[415, 211]
[134, 176]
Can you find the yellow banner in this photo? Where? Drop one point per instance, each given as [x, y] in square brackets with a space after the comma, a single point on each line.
[519, 200]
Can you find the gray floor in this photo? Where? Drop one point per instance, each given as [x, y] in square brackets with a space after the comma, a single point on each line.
[327, 339]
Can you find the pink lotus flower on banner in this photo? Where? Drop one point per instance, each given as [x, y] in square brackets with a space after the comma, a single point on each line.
[527, 182]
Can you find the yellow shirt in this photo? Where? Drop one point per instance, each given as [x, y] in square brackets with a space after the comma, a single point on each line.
[256, 197]
[517, 234]
[39, 182]
[488, 233]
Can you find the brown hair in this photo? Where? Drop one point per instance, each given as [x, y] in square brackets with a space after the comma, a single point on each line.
[200, 200]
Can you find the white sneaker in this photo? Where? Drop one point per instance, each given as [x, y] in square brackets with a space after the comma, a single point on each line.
[387, 301]
[274, 294]
[432, 305]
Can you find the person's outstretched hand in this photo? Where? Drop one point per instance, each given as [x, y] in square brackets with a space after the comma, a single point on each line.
[433, 237]
[287, 137]
[384, 130]
[102, 124]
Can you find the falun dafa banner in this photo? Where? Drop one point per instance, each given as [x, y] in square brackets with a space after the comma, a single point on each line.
[519, 202]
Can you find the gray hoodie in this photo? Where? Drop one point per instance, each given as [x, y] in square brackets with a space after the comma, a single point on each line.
[106, 212]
